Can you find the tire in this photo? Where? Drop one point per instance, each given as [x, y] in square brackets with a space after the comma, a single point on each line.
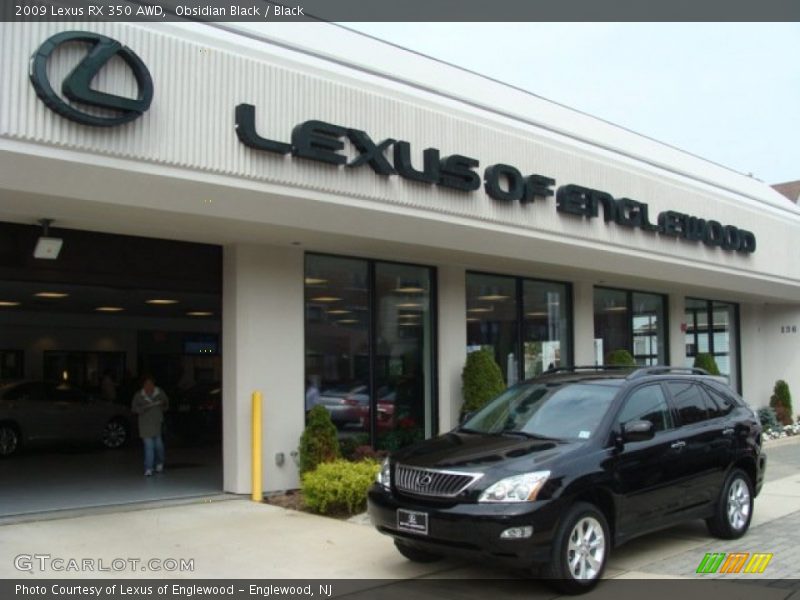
[734, 509]
[115, 434]
[580, 550]
[416, 555]
[10, 440]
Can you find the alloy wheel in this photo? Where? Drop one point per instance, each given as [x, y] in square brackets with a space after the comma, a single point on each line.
[9, 440]
[738, 504]
[114, 434]
[586, 549]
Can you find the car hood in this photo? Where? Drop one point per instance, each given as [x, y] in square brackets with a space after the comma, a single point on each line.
[482, 452]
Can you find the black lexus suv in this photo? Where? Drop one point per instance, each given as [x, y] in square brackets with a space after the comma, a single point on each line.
[558, 470]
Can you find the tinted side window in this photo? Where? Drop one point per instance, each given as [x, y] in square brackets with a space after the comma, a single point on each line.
[721, 403]
[647, 404]
[689, 401]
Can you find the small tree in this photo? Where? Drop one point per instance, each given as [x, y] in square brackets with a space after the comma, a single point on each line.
[781, 401]
[707, 362]
[481, 379]
[621, 358]
[319, 442]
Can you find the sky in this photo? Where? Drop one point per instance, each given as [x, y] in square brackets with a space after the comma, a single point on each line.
[728, 92]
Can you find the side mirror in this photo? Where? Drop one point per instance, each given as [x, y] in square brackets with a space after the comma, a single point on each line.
[466, 417]
[638, 431]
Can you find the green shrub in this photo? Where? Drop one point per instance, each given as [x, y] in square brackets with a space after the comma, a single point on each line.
[481, 380]
[781, 402]
[339, 487]
[707, 362]
[319, 442]
[348, 446]
[621, 358]
[767, 417]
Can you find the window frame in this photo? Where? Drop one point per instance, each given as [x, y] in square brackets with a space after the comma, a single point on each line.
[372, 334]
[674, 425]
[519, 315]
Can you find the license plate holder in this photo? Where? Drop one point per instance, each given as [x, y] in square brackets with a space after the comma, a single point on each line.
[412, 521]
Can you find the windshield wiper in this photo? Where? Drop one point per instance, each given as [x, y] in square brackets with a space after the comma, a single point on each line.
[525, 434]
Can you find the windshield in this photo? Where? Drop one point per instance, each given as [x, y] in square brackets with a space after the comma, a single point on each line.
[563, 411]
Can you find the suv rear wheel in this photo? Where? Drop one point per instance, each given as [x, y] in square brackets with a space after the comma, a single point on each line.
[415, 554]
[580, 550]
[9, 440]
[734, 507]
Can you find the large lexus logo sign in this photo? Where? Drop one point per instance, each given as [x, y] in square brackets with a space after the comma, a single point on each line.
[77, 85]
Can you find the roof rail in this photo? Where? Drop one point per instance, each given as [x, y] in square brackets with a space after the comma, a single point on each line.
[643, 372]
[574, 368]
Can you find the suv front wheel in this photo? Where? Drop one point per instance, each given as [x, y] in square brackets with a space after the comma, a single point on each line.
[734, 507]
[580, 550]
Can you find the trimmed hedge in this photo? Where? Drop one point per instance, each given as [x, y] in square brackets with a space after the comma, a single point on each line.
[339, 487]
[482, 380]
[707, 362]
[319, 442]
[621, 358]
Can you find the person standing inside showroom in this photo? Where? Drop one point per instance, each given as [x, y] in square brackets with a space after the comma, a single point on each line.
[149, 403]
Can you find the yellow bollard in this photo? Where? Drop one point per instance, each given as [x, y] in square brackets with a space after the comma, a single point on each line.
[258, 488]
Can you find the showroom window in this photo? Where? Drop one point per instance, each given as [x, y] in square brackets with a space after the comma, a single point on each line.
[370, 347]
[519, 317]
[632, 321]
[713, 327]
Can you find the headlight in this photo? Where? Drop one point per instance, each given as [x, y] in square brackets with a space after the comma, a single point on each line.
[519, 488]
[384, 476]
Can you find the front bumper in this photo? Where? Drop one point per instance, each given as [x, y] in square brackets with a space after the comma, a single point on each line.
[471, 530]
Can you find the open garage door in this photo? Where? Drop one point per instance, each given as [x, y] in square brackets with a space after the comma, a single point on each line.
[78, 333]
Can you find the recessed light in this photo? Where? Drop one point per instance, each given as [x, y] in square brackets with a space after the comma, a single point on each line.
[409, 305]
[325, 299]
[161, 301]
[493, 297]
[339, 311]
[109, 309]
[409, 324]
[616, 309]
[410, 289]
[472, 319]
[536, 314]
[51, 294]
[480, 309]
[199, 313]
[9, 303]
[315, 281]
[347, 321]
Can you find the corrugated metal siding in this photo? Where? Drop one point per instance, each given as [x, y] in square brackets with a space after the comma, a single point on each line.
[191, 125]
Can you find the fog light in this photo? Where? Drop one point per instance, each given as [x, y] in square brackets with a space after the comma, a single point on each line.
[517, 533]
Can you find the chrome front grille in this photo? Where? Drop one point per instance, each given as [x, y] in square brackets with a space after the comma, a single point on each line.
[432, 482]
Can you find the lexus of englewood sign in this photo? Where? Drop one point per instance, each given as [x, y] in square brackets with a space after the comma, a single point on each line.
[321, 141]
[324, 142]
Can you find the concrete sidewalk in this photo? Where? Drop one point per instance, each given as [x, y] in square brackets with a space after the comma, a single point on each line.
[236, 538]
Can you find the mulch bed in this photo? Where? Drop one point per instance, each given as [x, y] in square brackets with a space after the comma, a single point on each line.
[292, 499]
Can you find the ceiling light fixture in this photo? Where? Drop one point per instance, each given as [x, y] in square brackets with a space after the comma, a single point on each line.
[199, 313]
[315, 281]
[339, 311]
[325, 299]
[109, 309]
[409, 305]
[9, 303]
[161, 301]
[480, 309]
[47, 247]
[51, 294]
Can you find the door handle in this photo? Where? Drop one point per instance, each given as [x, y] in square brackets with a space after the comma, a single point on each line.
[728, 431]
[677, 445]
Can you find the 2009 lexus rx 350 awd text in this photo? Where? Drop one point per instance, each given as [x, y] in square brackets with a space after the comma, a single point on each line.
[558, 470]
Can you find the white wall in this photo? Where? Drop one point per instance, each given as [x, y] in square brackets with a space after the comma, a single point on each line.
[768, 354]
[263, 347]
[452, 343]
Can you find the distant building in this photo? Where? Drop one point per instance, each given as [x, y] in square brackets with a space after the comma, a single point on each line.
[790, 189]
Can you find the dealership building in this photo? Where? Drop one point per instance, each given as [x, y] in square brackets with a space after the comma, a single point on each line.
[312, 213]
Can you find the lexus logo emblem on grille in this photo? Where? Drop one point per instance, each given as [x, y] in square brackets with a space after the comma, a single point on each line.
[424, 480]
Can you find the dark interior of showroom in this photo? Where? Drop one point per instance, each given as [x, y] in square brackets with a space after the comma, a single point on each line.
[78, 331]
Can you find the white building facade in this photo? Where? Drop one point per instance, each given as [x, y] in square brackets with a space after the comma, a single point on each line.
[382, 216]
